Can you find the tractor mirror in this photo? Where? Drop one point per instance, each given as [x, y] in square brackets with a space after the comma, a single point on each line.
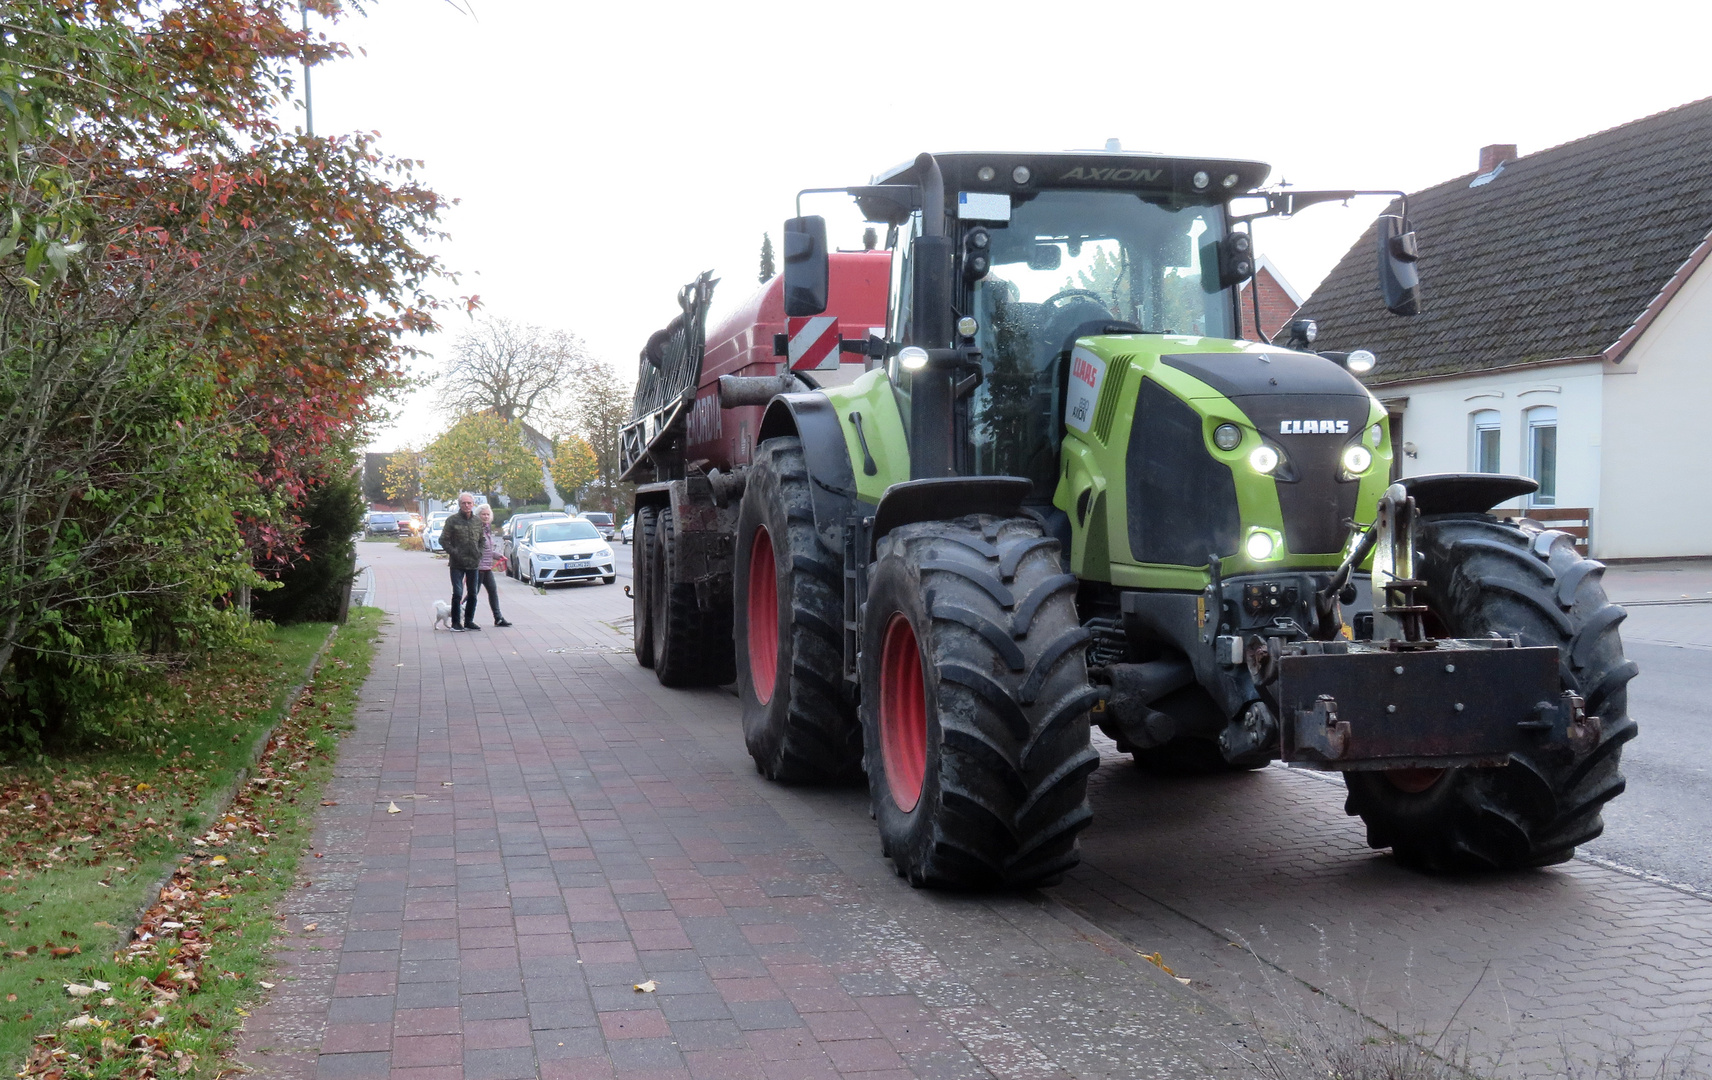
[1045, 257]
[805, 266]
[1399, 276]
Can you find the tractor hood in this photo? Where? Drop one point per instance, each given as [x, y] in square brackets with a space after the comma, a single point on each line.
[1311, 409]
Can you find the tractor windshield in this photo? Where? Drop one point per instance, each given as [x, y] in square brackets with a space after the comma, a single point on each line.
[1065, 259]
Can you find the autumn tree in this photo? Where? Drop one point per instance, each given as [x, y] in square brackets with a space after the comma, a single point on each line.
[198, 312]
[402, 477]
[509, 369]
[573, 467]
[482, 452]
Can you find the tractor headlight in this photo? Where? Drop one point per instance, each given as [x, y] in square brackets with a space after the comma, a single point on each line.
[1356, 459]
[1227, 436]
[913, 358]
[1360, 361]
[1261, 545]
[1376, 435]
[1263, 459]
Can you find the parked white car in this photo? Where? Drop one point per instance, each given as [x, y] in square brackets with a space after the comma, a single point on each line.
[628, 533]
[556, 551]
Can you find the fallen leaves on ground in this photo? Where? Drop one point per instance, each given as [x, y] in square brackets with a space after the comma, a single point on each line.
[141, 1031]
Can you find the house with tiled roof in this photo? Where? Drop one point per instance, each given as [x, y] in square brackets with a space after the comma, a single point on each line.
[1565, 331]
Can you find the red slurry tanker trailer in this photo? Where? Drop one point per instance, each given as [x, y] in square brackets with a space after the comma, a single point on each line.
[682, 448]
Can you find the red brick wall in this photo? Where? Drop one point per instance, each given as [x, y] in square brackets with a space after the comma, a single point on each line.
[1276, 307]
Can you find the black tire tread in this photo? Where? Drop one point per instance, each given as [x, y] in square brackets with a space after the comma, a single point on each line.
[1012, 703]
[817, 740]
[641, 616]
[690, 647]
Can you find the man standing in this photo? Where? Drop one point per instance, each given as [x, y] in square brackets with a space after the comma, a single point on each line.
[461, 539]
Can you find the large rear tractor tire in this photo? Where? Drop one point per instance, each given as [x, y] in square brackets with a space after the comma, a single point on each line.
[641, 610]
[1486, 577]
[975, 704]
[788, 621]
[690, 648]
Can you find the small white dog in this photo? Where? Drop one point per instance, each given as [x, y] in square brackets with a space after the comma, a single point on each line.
[442, 614]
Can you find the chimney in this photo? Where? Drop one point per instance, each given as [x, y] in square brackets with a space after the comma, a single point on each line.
[1495, 155]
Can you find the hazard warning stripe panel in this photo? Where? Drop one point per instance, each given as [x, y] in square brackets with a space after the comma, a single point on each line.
[813, 343]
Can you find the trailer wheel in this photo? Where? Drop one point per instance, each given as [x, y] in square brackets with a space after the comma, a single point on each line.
[689, 648]
[641, 611]
[975, 704]
[1484, 577]
[789, 592]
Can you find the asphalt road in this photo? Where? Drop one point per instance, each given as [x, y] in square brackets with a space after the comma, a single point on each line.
[1659, 826]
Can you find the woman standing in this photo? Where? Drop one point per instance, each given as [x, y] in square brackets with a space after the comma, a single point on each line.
[489, 552]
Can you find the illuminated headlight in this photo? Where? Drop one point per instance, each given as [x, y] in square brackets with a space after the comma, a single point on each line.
[1227, 436]
[1260, 545]
[1263, 459]
[1356, 459]
[913, 358]
[1360, 361]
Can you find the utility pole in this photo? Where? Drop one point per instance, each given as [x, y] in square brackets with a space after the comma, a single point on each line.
[308, 99]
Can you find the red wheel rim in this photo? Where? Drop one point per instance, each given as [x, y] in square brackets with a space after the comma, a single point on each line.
[763, 616]
[903, 714]
[1413, 781]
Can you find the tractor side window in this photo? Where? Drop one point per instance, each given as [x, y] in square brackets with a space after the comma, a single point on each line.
[898, 309]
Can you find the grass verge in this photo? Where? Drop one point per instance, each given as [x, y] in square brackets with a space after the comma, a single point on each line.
[101, 831]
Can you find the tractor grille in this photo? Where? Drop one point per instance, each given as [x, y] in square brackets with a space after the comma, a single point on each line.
[1182, 500]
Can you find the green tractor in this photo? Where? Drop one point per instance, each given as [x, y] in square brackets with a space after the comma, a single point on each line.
[1065, 493]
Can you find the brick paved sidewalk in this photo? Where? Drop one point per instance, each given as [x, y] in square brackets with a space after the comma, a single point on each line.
[571, 829]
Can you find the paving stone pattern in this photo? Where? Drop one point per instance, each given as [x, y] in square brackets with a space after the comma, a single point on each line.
[570, 829]
[599, 831]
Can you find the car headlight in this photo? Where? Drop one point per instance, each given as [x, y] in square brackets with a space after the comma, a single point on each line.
[544, 557]
[1357, 459]
[604, 553]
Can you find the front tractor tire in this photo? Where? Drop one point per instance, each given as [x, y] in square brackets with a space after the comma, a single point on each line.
[975, 704]
[789, 617]
[1487, 577]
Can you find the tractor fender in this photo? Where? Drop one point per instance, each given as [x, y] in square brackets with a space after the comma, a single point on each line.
[812, 418]
[1465, 493]
[944, 498]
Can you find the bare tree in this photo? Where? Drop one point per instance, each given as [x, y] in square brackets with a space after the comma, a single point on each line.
[509, 369]
[596, 411]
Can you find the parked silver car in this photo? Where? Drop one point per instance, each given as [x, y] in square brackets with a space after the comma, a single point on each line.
[601, 521]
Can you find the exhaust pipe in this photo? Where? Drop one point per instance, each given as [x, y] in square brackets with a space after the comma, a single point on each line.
[738, 391]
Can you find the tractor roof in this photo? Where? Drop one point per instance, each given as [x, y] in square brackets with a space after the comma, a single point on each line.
[1150, 173]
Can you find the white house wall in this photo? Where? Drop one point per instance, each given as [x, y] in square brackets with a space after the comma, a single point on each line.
[1437, 421]
[1658, 468]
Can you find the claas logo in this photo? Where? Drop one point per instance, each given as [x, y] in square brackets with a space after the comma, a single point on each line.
[1085, 371]
[1313, 427]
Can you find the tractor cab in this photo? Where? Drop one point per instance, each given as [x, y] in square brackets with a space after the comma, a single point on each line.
[1046, 248]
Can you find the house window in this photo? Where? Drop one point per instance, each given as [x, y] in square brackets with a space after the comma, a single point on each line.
[1542, 452]
[1485, 428]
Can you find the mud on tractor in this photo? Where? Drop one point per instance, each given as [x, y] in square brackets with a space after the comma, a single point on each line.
[1056, 488]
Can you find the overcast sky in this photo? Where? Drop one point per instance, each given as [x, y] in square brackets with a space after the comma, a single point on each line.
[603, 155]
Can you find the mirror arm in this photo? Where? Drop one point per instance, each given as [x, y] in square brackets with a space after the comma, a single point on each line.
[1286, 203]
